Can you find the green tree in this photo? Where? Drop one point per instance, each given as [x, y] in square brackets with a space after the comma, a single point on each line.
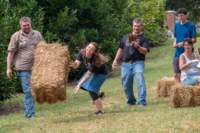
[193, 6]
[77, 22]
[153, 13]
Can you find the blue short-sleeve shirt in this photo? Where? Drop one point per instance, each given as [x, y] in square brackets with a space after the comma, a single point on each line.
[182, 32]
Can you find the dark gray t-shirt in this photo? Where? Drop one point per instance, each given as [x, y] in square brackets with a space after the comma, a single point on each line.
[129, 52]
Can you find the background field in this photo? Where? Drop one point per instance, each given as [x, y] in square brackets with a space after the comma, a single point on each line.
[75, 115]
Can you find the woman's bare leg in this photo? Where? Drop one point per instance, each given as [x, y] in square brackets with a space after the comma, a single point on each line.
[98, 104]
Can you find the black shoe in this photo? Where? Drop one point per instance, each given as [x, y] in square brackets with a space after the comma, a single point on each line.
[101, 95]
[130, 103]
[98, 112]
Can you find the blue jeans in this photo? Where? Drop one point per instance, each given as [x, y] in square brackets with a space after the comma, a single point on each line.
[29, 103]
[129, 71]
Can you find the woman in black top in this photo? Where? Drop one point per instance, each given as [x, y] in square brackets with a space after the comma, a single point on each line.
[95, 75]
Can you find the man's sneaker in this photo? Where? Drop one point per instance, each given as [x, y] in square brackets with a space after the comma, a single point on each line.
[130, 103]
[101, 95]
[142, 104]
[30, 116]
[98, 112]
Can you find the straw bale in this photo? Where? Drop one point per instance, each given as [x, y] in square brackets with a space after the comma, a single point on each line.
[182, 96]
[49, 73]
[196, 95]
[164, 86]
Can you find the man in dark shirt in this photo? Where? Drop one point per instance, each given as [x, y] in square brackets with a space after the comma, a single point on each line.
[132, 54]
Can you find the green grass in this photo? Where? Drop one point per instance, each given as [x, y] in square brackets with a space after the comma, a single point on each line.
[75, 115]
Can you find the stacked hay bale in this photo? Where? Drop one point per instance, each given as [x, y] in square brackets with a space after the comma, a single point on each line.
[196, 95]
[185, 96]
[49, 73]
[164, 86]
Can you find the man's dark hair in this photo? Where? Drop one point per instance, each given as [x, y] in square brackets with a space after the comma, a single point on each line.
[187, 40]
[182, 11]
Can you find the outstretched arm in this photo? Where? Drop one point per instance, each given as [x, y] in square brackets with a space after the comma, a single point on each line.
[9, 63]
[117, 58]
[75, 64]
[85, 78]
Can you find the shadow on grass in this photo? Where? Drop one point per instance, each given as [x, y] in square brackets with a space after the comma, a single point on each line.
[80, 118]
[6, 109]
[85, 116]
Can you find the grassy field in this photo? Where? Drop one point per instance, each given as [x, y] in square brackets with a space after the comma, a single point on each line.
[75, 115]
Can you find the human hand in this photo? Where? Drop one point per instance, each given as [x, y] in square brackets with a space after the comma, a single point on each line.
[9, 73]
[136, 44]
[190, 63]
[193, 62]
[73, 64]
[180, 44]
[132, 37]
[76, 89]
[114, 65]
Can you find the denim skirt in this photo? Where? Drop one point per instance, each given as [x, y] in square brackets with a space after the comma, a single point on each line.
[94, 83]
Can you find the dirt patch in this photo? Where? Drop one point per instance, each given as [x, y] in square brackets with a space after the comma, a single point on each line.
[6, 109]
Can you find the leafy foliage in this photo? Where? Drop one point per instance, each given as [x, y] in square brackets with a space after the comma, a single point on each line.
[193, 6]
[153, 13]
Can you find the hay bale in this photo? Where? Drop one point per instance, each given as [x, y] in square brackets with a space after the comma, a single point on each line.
[164, 86]
[49, 73]
[182, 96]
[196, 95]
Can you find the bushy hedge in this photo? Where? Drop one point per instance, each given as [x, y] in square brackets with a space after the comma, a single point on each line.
[7, 87]
[76, 22]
